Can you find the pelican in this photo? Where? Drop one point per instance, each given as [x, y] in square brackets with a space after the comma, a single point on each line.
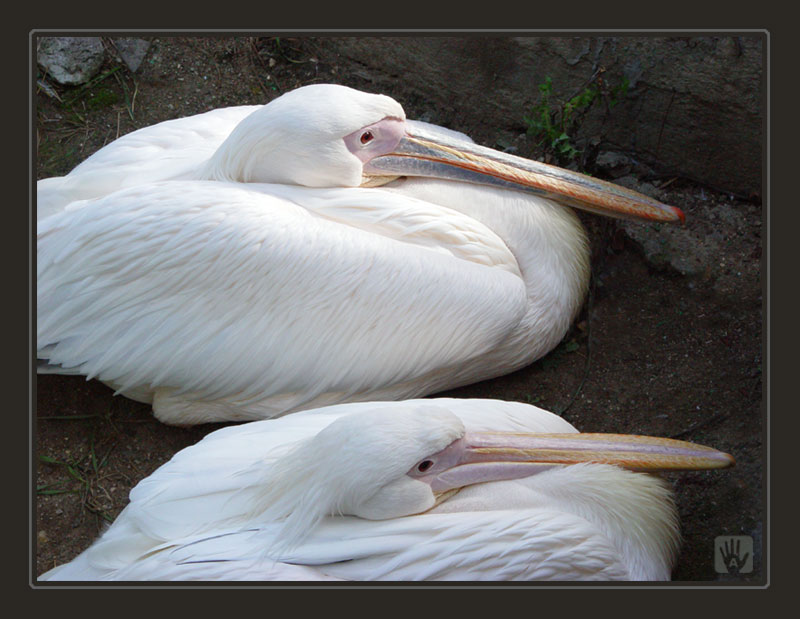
[428, 489]
[253, 261]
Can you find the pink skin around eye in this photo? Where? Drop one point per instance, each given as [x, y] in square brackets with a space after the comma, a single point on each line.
[386, 134]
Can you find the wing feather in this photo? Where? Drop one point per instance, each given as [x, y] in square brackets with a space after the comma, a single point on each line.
[214, 291]
[533, 544]
[168, 150]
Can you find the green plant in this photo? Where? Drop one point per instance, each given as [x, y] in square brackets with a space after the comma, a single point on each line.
[84, 477]
[556, 123]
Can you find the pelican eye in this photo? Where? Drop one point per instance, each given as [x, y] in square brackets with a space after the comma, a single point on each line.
[367, 137]
[424, 465]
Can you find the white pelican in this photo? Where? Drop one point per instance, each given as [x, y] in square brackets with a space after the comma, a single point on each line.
[439, 489]
[249, 262]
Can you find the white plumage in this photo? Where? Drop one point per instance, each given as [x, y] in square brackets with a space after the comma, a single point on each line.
[400, 491]
[229, 266]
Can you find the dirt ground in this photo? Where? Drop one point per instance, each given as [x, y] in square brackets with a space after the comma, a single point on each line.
[653, 352]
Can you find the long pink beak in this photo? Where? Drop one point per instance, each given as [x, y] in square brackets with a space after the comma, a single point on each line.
[484, 456]
[420, 152]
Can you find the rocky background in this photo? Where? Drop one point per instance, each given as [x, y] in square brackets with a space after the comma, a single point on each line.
[670, 339]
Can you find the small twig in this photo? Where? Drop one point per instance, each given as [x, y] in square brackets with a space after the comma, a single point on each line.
[701, 424]
[668, 183]
[597, 72]
[105, 458]
[254, 52]
[663, 122]
[647, 157]
[133, 98]
[589, 305]
[48, 90]
[130, 102]
[55, 492]
[109, 44]
[49, 417]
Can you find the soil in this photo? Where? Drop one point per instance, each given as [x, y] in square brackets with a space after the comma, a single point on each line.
[654, 351]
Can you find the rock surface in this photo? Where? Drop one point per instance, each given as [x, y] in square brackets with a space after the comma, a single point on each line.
[132, 51]
[693, 105]
[70, 60]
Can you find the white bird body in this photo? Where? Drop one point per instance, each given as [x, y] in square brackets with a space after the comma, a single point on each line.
[241, 296]
[170, 150]
[275, 500]
[244, 277]
[528, 544]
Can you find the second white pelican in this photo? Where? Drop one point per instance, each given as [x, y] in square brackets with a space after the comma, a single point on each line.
[440, 489]
[249, 262]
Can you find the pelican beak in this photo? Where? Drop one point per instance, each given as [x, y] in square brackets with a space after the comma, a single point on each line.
[422, 152]
[483, 456]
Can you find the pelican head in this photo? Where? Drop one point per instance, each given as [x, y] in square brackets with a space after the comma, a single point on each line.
[327, 135]
[384, 464]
